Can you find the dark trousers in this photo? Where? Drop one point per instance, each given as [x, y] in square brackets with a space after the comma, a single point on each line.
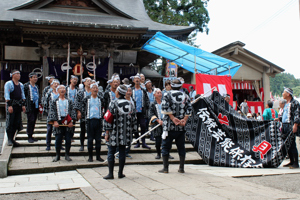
[141, 121]
[113, 149]
[158, 141]
[127, 149]
[94, 132]
[49, 133]
[14, 123]
[179, 137]
[31, 120]
[82, 133]
[59, 137]
[286, 129]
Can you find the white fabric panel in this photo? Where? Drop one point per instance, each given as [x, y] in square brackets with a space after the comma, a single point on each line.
[207, 89]
[222, 89]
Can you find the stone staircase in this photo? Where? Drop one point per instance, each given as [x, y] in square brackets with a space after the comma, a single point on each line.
[33, 158]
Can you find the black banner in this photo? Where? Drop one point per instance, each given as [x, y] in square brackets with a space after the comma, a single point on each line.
[223, 137]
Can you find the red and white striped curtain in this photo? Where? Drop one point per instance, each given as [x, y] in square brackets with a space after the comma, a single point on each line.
[242, 85]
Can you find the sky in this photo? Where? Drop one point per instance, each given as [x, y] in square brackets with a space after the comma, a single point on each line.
[268, 28]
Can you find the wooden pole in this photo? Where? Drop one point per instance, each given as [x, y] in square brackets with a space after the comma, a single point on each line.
[68, 61]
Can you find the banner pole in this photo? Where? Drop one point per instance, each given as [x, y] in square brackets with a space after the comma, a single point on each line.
[68, 60]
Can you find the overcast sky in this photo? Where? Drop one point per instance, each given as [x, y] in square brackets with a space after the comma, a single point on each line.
[269, 28]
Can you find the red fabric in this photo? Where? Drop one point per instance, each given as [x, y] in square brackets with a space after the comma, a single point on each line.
[242, 85]
[40, 108]
[254, 106]
[273, 113]
[185, 85]
[261, 90]
[205, 82]
[66, 120]
[108, 117]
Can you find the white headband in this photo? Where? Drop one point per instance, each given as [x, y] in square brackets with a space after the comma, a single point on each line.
[120, 90]
[148, 82]
[16, 72]
[136, 76]
[60, 87]
[288, 90]
[72, 76]
[181, 80]
[55, 81]
[156, 90]
[176, 85]
[85, 79]
[128, 86]
[49, 77]
[91, 86]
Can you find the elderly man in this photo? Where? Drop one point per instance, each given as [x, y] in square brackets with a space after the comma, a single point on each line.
[290, 120]
[32, 101]
[156, 117]
[71, 90]
[82, 93]
[51, 95]
[50, 78]
[93, 117]
[62, 114]
[142, 106]
[15, 101]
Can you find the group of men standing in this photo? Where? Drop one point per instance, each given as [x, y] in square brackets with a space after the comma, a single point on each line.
[129, 108]
[119, 111]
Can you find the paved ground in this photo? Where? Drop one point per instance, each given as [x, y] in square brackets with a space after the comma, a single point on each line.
[144, 182]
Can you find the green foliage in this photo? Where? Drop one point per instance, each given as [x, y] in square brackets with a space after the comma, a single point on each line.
[183, 13]
[284, 80]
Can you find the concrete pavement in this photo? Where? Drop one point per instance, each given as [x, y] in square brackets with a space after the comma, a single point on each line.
[144, 182]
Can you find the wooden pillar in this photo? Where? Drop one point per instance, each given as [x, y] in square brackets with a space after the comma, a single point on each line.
[266, 86]
[111, 62]
[45, 64]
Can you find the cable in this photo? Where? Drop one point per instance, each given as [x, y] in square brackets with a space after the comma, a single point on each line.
[263, 24]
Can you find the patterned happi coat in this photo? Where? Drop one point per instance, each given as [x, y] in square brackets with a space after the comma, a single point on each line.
[293, 115]
[45, 91]
[29, 104]
[107, 99]
[145, 101]
[78, 104]
[124, 123]
[153, 115]
[54, 114]
[49, 97]
[177, 103]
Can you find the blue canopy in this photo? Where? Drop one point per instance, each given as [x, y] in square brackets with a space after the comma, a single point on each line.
[186, 56]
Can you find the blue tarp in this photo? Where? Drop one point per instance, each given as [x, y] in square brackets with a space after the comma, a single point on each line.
[184, 56]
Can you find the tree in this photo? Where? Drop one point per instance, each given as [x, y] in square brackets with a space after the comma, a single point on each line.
[284, 80]
[183, 13]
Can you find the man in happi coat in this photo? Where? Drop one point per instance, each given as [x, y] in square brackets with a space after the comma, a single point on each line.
[141, 99]
[82, 93]
[290, 120]
[32, 101]
[119, 130]
[177, 108]
[51, 95]
[71, 90]
[15, 104]
[50, 78]
[62, 114]
[110, 94]
[91, 108]
[156, 117]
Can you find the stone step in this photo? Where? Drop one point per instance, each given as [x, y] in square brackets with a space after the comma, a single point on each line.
[32, 165]
[39, 151]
